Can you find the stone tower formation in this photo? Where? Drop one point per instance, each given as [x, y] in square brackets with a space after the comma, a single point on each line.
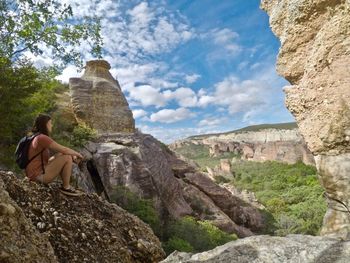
[98, 101]
[315, 58]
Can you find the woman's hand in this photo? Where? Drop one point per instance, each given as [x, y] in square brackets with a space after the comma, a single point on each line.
[77, 159]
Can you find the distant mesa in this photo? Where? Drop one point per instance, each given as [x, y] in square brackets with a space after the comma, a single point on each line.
[98, 101]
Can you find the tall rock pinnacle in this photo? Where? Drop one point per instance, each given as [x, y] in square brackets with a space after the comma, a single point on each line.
[98, 101]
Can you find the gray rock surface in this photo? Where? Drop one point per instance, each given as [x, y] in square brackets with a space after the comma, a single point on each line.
[268, 249]
[150, 170]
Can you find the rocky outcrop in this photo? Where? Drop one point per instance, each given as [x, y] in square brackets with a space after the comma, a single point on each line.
[283, 145]
[39, 224]
[150, 170]
[20, 240]
[315, 58]
[98, 101]
[266, 249]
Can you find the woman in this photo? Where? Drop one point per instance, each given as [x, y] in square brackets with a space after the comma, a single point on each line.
[45, 170]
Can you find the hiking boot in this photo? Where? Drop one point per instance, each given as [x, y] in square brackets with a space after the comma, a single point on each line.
[70, 191]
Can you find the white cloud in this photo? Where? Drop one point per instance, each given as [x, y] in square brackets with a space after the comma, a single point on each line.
[211, 122]
[192, 78]
[170, 116]
[226, 38]
[69, 72]
[147, 96]
[250, 97]
[139, 113]
[206, 100]
[185, 97]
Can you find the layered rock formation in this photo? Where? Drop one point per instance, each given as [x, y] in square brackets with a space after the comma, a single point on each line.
[284, 145]
[98, 101]
[150, 170]
[266, 249]
[39, 224]
[315, 58]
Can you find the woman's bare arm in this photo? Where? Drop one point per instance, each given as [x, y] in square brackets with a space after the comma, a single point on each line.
[65, 150]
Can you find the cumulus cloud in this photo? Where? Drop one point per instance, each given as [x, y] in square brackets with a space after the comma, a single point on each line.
[139, 113]
[185, 97]
[170, 115]
[192, 78]
[243, 96]
[147, 96]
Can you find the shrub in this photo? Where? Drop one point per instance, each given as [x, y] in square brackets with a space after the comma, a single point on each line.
[178, 244]
[140, 207]
[201, 235]
[81, 134]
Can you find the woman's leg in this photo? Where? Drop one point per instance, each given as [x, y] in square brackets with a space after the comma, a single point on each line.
[61, 165]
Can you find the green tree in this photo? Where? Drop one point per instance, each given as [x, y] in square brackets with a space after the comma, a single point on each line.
[38, 25]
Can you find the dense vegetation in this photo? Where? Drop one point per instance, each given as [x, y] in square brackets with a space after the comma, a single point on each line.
[186, 234]
[291, 193]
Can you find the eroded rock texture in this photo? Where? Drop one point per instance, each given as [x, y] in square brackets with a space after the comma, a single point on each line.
[150, 170]
[283, 145]
[267, 249]
[39, 224]
[98, 101]
[315, 58]
[20, 241]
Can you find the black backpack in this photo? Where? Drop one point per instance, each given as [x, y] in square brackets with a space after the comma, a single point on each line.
[22, 149]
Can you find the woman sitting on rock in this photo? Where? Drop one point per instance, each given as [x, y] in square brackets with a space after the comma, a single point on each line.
[44, 169]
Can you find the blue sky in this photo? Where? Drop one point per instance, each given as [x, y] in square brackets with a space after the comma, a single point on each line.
[190, 67]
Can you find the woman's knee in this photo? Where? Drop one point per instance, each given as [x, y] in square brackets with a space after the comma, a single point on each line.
[67, 158]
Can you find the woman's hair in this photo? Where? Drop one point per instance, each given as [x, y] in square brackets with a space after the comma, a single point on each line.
[40, 124]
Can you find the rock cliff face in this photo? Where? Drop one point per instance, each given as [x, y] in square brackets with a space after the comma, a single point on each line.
[39, 224]
[266, 249]
[315, 58]
[264, 145]
[150, 170]
[98, 101]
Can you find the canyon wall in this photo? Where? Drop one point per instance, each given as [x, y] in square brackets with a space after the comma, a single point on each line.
[283, 145]
[315, 58]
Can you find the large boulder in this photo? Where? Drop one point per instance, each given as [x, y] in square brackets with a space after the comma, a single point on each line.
[267, 249]
[152, 171]
[315, 58]
[39, 224]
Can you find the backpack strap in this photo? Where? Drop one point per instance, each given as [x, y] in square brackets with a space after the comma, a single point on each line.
[42, 162]
[31, 159]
